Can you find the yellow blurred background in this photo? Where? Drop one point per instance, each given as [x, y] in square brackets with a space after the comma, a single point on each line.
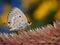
[41, 12]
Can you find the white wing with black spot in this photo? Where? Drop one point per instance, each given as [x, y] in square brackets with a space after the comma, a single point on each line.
[16, 18]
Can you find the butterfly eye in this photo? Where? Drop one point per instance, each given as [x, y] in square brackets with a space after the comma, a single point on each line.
[9, 22]
[10, 27]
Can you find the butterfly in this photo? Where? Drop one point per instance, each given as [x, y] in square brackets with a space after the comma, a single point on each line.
[17, 20]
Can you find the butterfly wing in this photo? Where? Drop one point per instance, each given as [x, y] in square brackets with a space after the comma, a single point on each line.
[16, 18]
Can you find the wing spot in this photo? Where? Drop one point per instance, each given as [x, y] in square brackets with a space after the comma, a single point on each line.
[22, 20]
[19, 16]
